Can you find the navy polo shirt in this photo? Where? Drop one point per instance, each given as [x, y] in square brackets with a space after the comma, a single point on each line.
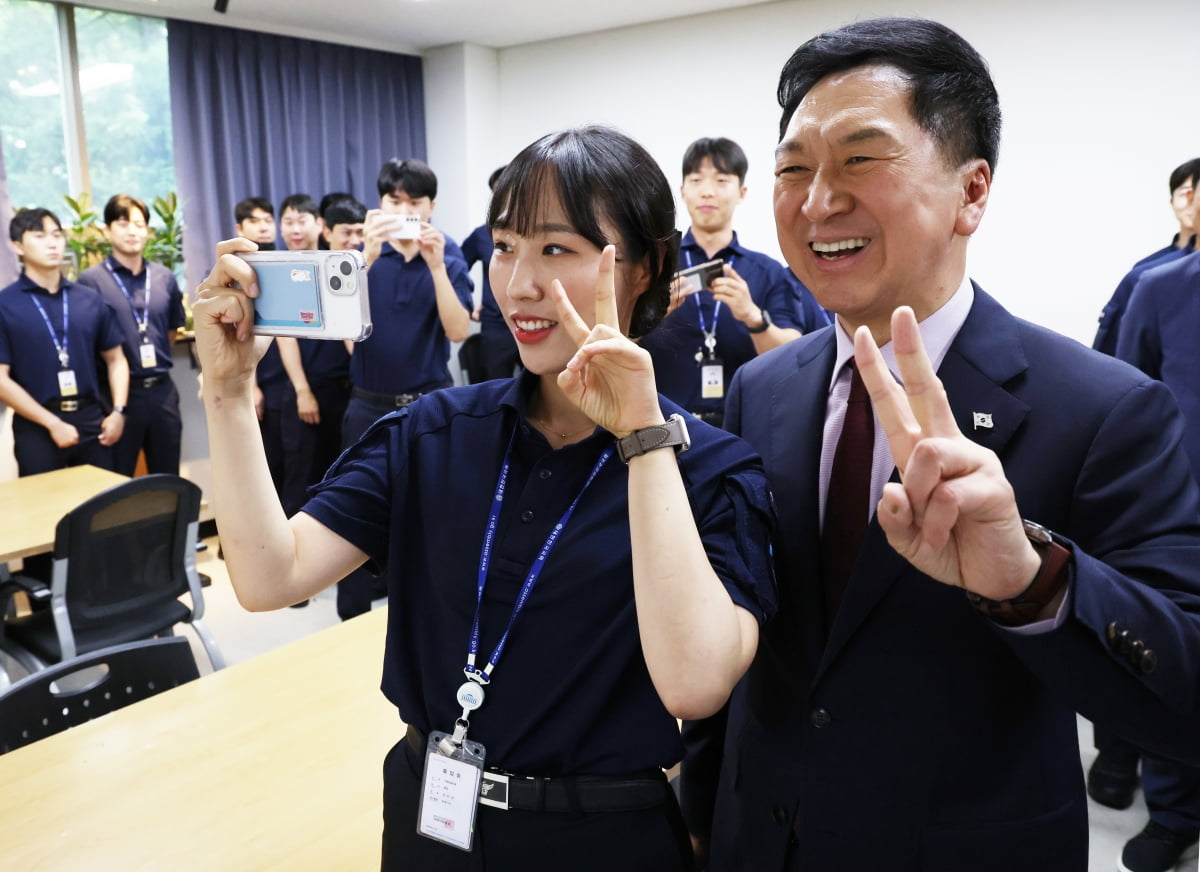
[1158, 336]
[324, 361]
[272, 378]
[407, 350]
[478, 247]
[164, 312]
[26, 346]
[571, 693]
[1114, 309]
[673, 343]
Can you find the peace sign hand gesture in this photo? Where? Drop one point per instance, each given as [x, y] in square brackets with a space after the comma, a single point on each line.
[954, 515]
[610, 379]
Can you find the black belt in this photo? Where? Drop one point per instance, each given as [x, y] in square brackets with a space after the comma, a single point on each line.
[568, 793]
[69, 404]
[399, 401]
[148, 381]
[714, 418]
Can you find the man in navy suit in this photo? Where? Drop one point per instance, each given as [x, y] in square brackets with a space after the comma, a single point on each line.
[900, 722]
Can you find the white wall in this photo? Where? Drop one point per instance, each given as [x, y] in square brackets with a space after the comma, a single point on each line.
[1099, 103]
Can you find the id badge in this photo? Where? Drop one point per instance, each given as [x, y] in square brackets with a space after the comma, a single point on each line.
[712, 379]
[450, 792]
[66, 383]
[149, 355]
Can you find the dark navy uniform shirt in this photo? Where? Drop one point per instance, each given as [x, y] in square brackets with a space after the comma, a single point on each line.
[407, 350]
[571, 693]
[324, 360]
[1160, 335]
[673, 343]
[165, 313]
[26, 346]
[1114, 309]
[478, 247]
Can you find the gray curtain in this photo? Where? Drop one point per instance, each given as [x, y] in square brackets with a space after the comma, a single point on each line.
[9, 266]
[257, 115]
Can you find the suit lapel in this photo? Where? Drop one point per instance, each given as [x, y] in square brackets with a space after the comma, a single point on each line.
[985, 355]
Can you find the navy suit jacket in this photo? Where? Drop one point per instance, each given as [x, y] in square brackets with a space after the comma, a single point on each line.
[920, 735]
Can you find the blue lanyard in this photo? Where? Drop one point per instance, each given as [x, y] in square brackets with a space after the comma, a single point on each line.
[144, 318]
[704, 328]
[485, 559]
[64, 356]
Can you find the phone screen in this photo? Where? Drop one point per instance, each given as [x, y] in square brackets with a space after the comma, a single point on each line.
[288, 295]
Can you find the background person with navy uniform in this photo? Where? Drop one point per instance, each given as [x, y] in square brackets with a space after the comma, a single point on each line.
[649, 601]
[148, 306]
[421, 298]
[497, 348]
[1158, 335]
[1183, 182]
[755, 306]
[53, 333]
[319, 372]
[964, 562]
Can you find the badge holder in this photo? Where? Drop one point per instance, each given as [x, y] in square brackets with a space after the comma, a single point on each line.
[712, 370]
[450, 790]
[67, 387]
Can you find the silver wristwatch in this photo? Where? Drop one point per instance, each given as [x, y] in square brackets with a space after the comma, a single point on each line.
[672, 434]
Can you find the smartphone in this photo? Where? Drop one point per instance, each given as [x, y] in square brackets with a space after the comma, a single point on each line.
[407, 226]
[311, 294]
[699, 277]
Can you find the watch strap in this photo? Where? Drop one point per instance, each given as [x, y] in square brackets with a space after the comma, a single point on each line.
[1047, 582]
[766, 322]
[671, 434]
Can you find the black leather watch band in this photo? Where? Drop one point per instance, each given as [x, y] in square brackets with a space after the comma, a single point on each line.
[672, 434]
[1046, 584]
[766, 322]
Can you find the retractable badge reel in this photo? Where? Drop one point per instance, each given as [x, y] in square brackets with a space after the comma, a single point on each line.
[453, 772]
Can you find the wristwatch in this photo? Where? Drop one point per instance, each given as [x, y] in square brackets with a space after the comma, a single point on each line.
[766, 322]
[672, 434]
[1046, 584]
[120, 409]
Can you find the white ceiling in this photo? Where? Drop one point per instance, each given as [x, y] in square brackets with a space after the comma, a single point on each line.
[412, 26]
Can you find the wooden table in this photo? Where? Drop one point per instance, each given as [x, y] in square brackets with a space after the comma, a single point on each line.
[271, 764]
[31, 507]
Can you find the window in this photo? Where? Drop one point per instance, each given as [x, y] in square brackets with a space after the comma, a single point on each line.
[124, 92]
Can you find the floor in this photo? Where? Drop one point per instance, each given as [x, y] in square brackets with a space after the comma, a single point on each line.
[242, 635]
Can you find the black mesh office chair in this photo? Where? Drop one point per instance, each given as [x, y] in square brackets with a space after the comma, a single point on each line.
[70, 693]
[121, 561]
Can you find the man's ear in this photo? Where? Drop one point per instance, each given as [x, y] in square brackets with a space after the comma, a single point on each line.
[976, 180]
[18, 248]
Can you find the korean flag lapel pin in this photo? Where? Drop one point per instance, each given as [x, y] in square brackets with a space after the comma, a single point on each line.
[982, 420]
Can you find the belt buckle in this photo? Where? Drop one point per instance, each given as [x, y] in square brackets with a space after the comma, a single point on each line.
[68, 405]
[149, 381]
[493, 790]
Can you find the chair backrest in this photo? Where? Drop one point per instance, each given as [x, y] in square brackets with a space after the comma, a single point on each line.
[41, 705]
[128, 548]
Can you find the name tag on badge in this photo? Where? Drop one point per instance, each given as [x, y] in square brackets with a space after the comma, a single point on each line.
[66, 383]
[450, 793]
[712, 380]
[149, 355]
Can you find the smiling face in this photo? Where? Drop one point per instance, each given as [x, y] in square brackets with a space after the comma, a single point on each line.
[523, 268]
[711, 196]
[128, 235]
[300, 230]
[869, 214]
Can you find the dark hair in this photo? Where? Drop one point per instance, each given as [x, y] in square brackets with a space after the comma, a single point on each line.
[412, 176]
[1186, 170]
[30, 220]
[598, 174]
[300, 203]
[245, 209]
[495, 177]
[726, 155]
[953, 97]
[119, 205]
[329, 199]
[347, 210]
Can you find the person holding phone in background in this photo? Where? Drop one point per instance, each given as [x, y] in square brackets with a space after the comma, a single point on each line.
[653, 533]
[753, 303]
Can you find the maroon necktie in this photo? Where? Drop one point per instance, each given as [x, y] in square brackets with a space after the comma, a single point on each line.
[849, 495]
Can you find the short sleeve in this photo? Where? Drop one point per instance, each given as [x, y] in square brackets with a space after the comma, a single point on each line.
[356, 497]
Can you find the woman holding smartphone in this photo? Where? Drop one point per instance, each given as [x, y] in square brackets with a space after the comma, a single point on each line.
[552, 609]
